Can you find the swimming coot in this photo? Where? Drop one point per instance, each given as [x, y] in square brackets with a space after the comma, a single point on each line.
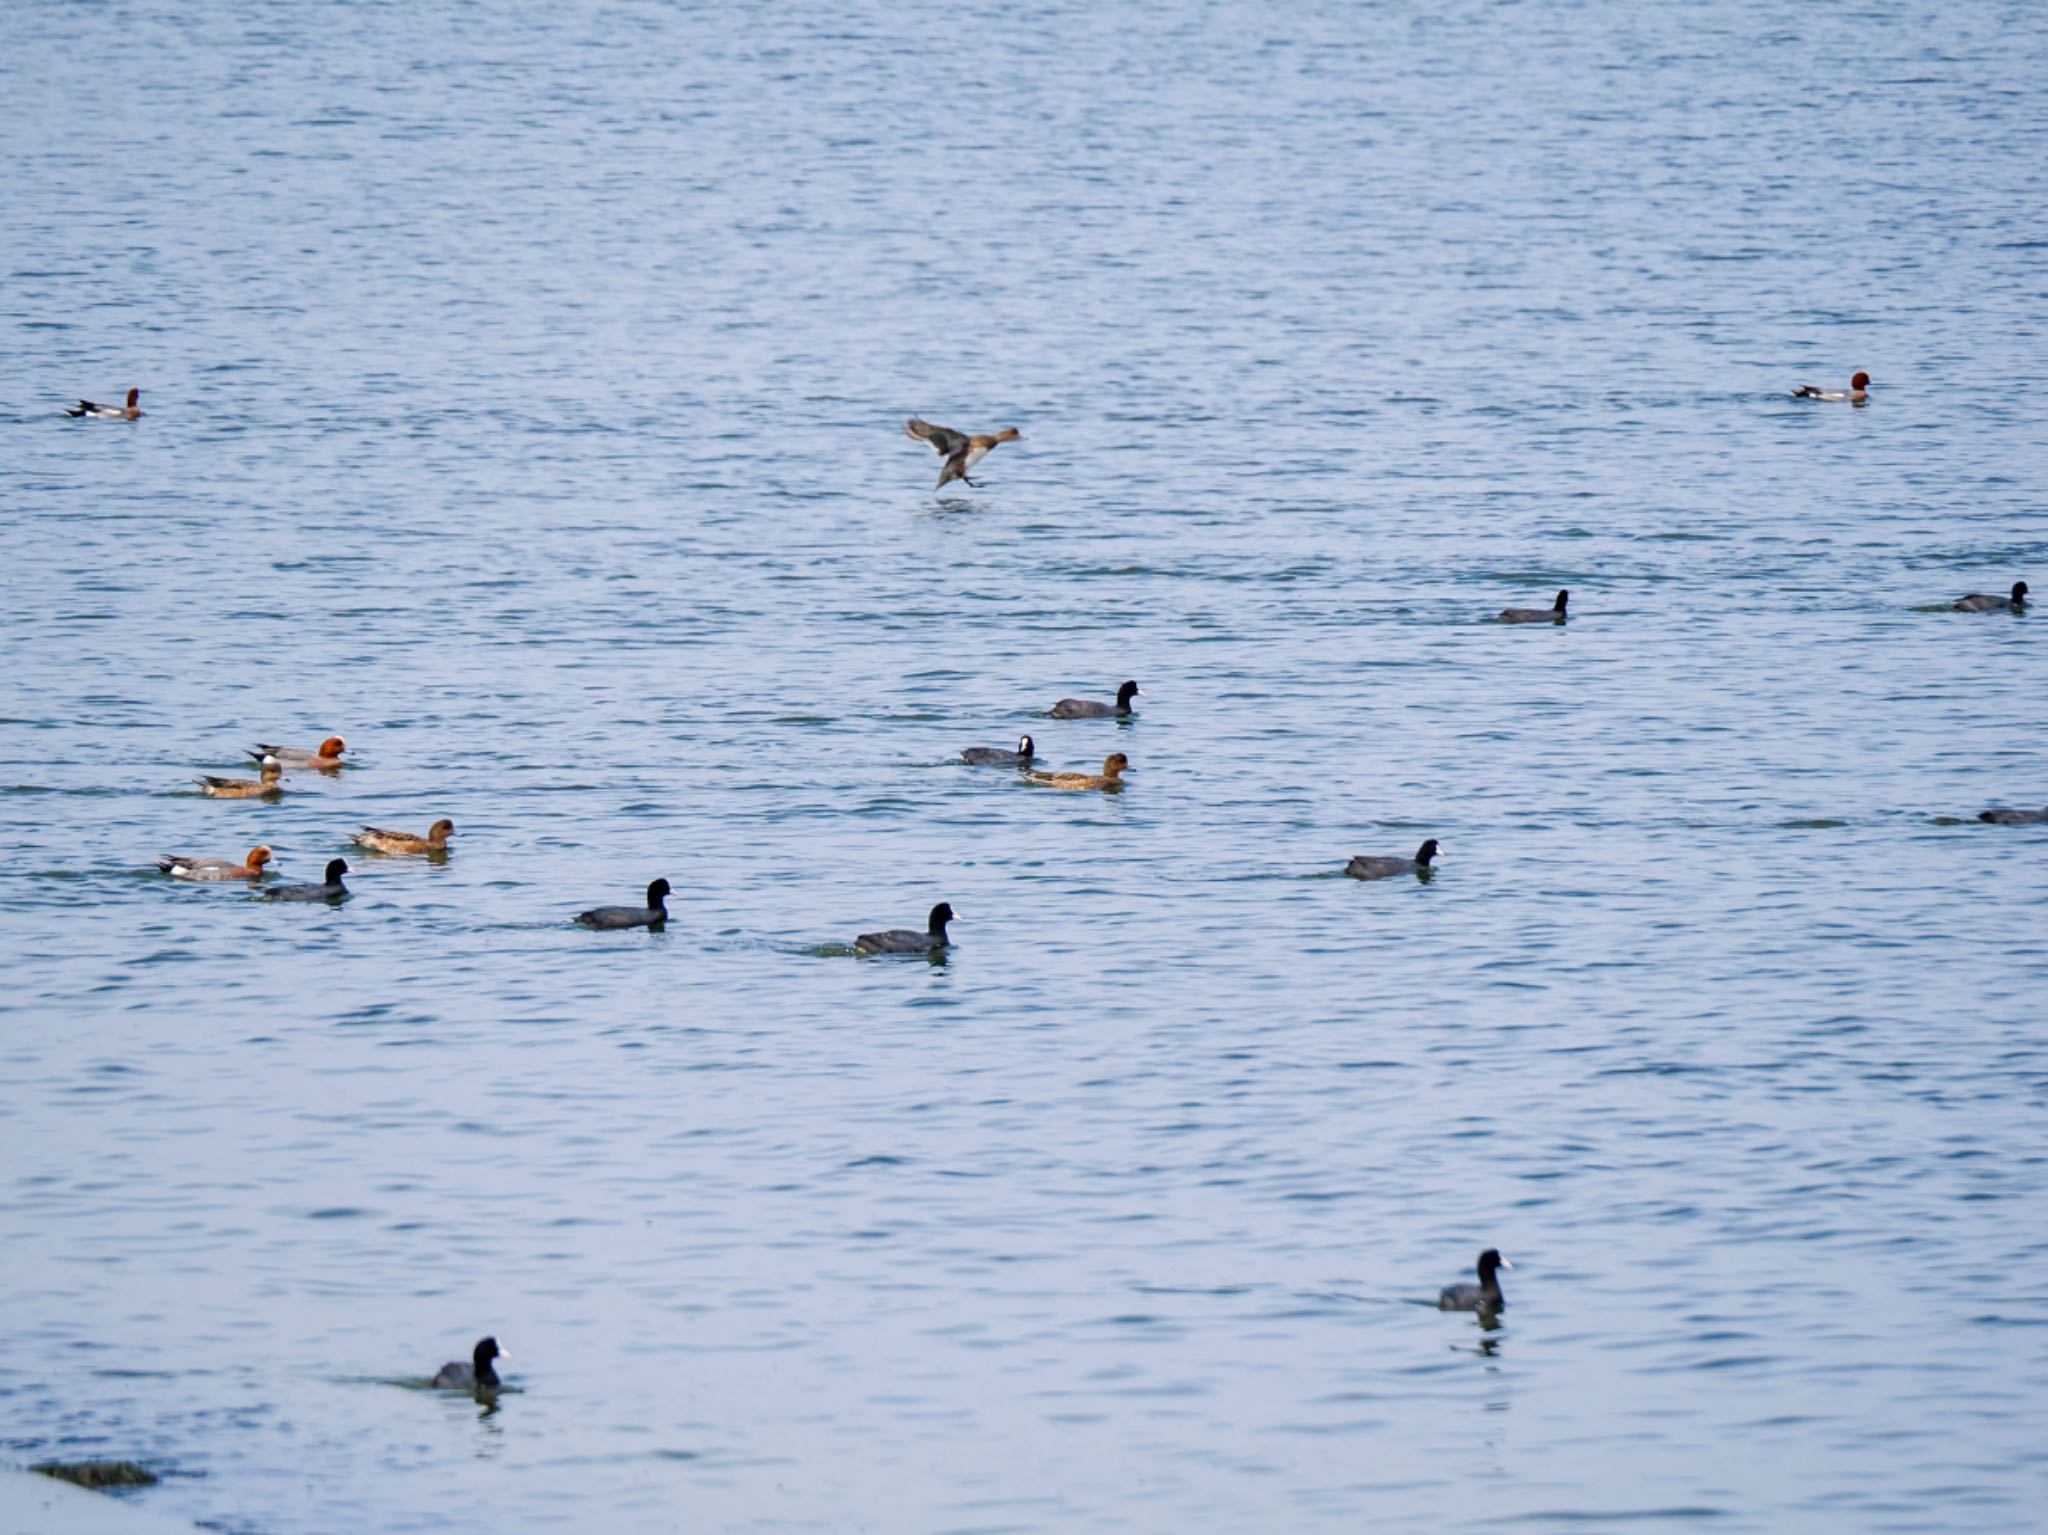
[1094, 708]
[1483, 1296]
[1366, 866]
[901, 940]
[2002, 817]
[1111, 776]
[1977, 602]
[652, 915]
[1554, 614]
[995, 756]
[330, 889]
[477, 1374]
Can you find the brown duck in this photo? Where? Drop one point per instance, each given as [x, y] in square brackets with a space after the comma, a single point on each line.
[960, 452]
[378, 840]
[1111, 776]
[262, 786]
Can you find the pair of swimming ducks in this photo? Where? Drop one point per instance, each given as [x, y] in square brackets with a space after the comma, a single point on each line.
[896, 940]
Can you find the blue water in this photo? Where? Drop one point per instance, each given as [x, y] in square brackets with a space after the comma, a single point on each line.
[524, 392]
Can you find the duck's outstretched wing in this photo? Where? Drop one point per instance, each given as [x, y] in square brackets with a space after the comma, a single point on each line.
[944, 440]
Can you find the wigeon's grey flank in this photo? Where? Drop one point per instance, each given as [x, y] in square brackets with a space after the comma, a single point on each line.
[1857, 392]
[960, 452]
[96, 412]
[326, 755]
[215, 868]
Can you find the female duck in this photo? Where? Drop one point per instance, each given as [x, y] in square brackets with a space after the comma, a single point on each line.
[1095, 709]
[380, 841]
[94, 412]
[1111, 776]
[215, 868]
[262, 786]
[902, 940]
[326, 755]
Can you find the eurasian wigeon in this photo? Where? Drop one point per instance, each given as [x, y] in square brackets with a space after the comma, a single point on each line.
[1857, 392]
[1554, 614]
[326, 755]
[995, 756]
[960, 452]
[329, 889]
[378, 840]
[1370, 866]
[96, 412]
[1111, 776]
[477, 1375]
[903, 940]
[244, 788]
[1095, 709]
[215, 868]
[1483, 1296]
[1977, 602]
[652, 915]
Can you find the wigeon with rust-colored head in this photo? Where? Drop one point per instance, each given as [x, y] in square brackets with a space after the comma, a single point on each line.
[326, 755]
[93, 411]
[216, 868]
[960, 452]
[1856, 394]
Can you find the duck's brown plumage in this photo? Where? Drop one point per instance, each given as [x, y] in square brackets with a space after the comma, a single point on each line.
[98, 412]
[377, 840]
[1111, 776]
[215, 868]
[960, 451]
[244, 788]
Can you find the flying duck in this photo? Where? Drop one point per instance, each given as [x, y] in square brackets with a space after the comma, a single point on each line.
[960, 452]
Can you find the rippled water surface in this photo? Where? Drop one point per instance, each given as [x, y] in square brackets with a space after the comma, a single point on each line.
[523, 393]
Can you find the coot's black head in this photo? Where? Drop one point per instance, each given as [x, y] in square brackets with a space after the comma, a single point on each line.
[1562, 598]
[1490, 1262]
[941, 915]
[1426, 852]
[485, 1351]
[2019, 591]
[1026, 747]
[336, 867]
[1124, 695]
[657, 892]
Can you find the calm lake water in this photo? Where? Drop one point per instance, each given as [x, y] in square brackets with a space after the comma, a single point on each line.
[524, 391]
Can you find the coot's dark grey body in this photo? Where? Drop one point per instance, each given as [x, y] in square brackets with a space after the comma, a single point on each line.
[901, 940]
[1483, 1296]
[456, 1376]
[653, 914]
[1094, 708]
[1554, 614]
[2002, 817]
[1366, 866]
[331, 890]
[1977, 602]
[995, 756]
